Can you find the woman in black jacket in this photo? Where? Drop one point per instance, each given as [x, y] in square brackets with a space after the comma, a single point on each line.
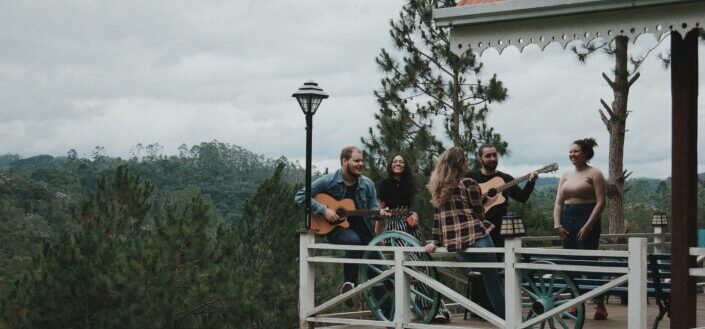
[397, 192]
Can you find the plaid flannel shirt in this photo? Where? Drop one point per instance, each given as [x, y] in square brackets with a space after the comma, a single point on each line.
[459, 222]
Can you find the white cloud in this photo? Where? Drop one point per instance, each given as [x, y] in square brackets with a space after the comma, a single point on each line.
[76, 74]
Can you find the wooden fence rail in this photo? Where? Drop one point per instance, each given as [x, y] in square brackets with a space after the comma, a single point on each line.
[403, 271]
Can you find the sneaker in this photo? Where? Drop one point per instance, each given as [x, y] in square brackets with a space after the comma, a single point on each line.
[441, 317]
[347, 286]
[600, 312]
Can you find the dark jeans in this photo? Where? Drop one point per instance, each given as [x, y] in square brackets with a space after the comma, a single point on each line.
[357, 234]
[490, 276]
[573, 218]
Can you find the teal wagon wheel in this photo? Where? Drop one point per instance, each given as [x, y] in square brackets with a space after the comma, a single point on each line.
[380, 297]
[544, 290]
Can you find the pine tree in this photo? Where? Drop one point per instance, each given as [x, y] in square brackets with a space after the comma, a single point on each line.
[268, 260]
[116, 270]
[429, 85]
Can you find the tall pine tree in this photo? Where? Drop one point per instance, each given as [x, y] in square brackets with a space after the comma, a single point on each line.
[428, 85]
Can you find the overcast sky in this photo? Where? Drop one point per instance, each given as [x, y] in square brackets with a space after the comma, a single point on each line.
[80, 74]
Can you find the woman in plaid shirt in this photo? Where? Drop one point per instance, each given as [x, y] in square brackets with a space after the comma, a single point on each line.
[458, 219]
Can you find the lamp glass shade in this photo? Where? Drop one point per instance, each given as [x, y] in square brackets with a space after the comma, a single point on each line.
[659, 219]
[512, 226]
[309, 97]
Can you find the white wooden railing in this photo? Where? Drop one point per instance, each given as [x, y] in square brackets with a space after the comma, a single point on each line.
[401, 268]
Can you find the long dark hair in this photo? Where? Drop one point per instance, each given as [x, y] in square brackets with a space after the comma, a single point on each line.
[407, 177]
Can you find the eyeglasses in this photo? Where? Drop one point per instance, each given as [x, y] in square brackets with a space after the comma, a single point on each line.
[398, 161]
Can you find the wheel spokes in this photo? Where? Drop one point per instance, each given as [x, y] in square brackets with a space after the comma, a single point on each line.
[422, 295]
[530, 293]
[570, 316]
[383, 299]
[562, 290]
[415, 307]
[374, 269]
[561, 322]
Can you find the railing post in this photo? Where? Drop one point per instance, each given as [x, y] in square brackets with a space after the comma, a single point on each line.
[637, 284]
[402, 292]
[512, 284]
[306, 279]
[658, 239]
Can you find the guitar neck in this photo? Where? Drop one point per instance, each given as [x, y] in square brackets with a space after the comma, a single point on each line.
[362, 213]
[512, 183]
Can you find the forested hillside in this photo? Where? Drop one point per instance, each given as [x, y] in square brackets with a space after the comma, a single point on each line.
[186, 241]
[205, 238]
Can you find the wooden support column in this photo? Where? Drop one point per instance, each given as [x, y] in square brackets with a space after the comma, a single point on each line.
[684, 93]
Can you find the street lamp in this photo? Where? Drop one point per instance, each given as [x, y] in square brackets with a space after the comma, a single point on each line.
[309, 97]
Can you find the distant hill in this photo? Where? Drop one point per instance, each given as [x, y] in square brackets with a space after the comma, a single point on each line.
[225, 174]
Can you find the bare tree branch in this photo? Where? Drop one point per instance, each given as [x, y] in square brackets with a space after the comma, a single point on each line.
[607, 107]
[604, 119]
[626, 174]
[633, 79]
[609, 81]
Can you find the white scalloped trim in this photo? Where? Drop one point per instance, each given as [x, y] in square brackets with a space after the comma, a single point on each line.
[658, 21]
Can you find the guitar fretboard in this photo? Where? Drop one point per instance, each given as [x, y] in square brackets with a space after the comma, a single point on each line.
[512, 183]
[549, 168]
[362, 213]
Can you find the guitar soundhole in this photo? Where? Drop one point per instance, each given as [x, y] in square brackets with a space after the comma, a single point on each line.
[492, 192]
[340, 213]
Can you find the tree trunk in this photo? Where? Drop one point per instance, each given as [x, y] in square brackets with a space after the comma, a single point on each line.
[616, 126]
[455, 116]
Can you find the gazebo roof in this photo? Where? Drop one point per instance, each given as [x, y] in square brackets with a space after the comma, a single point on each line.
[482, 24]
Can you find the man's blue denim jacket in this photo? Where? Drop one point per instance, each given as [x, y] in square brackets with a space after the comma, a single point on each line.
[333, 185]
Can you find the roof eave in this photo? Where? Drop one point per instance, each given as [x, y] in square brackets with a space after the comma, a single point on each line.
[504, 11]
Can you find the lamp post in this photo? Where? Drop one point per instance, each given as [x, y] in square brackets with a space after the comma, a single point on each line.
[512, 226]
[309, 97]
[659, 221]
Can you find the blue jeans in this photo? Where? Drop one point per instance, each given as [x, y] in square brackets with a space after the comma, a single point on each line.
[357, 235]
[493, 286]
[573, 218]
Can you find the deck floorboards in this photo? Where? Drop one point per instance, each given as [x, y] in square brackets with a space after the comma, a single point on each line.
[617, 317]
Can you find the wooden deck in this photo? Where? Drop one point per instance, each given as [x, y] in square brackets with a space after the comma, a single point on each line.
[617, 317]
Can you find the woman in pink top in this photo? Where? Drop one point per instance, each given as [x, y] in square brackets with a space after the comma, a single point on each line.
[580, 200]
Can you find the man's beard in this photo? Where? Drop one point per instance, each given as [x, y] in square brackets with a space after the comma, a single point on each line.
[352, 172]
[489, 165]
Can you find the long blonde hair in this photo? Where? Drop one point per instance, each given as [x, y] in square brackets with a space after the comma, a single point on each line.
[451, 165]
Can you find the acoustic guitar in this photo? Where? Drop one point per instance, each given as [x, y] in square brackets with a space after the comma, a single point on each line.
[493, 188]
[344, 208]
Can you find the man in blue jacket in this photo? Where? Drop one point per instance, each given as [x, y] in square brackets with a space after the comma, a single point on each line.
[346, 182]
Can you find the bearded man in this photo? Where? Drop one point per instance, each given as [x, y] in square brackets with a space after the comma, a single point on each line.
[347, 183]
[488, 159]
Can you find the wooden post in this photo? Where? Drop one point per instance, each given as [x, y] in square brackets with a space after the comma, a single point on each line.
[637, 284]
[658, 239]
[402, 292]
[512, 284]
[684, 91]
[306, 279]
